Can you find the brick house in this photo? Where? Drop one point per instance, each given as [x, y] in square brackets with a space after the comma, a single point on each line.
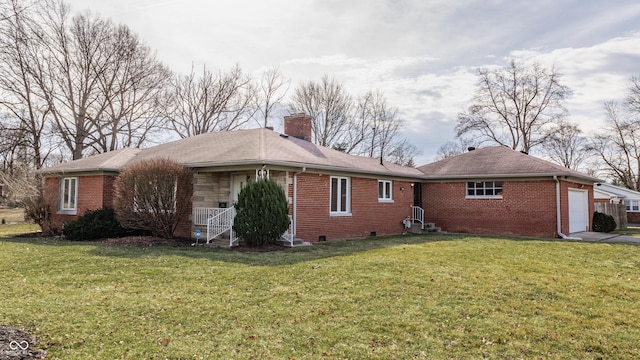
[493, 190]
[331, 194]
[500, 191]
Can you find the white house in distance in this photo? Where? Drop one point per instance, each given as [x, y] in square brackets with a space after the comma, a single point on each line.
[616, 194]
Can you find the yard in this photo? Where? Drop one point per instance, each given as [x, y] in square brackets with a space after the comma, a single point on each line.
[399, 297]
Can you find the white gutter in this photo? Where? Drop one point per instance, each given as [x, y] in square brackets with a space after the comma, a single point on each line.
[559, 215]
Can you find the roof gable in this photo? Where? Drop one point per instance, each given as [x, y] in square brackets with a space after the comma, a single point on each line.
[497, 162]
[618, 191]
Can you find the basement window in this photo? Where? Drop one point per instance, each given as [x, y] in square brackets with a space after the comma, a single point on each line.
[484, 190]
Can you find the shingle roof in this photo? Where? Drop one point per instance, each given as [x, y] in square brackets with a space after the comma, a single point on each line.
[243, 147]
[111, 161]
[497, 162]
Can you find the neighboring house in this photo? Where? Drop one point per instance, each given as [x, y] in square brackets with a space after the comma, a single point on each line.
[496, 190]
[331, 194]
[617, 194]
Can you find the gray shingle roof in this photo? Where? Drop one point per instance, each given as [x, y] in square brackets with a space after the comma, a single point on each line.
[111, 161]
[241, 147]
[497, 162]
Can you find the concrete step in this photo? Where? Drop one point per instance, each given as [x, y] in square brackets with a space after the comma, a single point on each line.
[428, 228]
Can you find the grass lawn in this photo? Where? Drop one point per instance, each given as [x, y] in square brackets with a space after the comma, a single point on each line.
[632, 230]
[441, 296]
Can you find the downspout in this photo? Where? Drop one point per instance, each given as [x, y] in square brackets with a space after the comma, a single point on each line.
[559, 215]
[295, 201]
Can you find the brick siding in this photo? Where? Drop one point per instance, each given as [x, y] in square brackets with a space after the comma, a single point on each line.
[367, 214]
[527, 208]
[633, 217]
[94, 192]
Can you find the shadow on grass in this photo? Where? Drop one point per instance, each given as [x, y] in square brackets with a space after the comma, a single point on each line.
[287, 256]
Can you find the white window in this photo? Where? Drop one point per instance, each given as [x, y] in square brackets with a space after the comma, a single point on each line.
[385, 190]
[69, 194]
[634, 205]
[484, 189]
[340, 196]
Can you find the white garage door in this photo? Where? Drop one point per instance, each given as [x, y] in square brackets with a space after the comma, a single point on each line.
[578, 211]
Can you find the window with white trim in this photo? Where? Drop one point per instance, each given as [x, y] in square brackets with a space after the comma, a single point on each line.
[484, 189]
[69, 194]
[340, 196]
[385, 192]
[632, 205]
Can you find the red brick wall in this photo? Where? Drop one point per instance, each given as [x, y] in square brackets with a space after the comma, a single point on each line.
[184, 225]
[298, 125]
[94, 192]
[528, 208]
[367, 214]
[633, 217]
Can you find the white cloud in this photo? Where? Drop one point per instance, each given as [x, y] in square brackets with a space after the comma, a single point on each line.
[422, 54]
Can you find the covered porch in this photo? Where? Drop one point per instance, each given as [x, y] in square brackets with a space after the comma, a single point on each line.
[214, 196]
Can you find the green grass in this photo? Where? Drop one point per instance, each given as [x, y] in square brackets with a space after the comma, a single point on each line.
[631, 230]
[380, 298]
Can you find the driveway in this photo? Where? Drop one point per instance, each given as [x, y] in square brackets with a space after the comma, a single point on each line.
[605, 237]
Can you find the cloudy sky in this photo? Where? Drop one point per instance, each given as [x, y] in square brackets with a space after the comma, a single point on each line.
[422, 54]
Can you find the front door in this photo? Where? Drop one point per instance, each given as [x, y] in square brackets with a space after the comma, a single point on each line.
[238, 182]
[417, 194]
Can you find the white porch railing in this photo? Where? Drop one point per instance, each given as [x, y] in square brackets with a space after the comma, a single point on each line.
[288, 236]
[221, 223]
[201, 214]
[417, 215]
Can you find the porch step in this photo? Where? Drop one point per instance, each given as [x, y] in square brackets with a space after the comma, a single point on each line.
[428, 228]
[296, 243]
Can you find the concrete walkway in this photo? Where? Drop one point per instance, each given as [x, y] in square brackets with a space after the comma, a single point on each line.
[605, 237]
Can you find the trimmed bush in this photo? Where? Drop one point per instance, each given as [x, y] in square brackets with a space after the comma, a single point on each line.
[262, 213]
[603, 222]
[96, 224]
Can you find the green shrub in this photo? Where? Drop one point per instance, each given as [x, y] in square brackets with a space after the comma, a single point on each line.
[261, 213]
[603, 222]
[96, 224]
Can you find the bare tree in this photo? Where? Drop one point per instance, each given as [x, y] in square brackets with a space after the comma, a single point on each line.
[209, 102]
[403, 153]
[618, 145]
[633, 99]
[24, 123]
[94, 82]
[515, 105]
[133, 87]
[329, 104]
[567, 146]
[272, 90]
[453, 148]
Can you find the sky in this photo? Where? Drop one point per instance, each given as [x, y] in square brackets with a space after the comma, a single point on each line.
[423, 55]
